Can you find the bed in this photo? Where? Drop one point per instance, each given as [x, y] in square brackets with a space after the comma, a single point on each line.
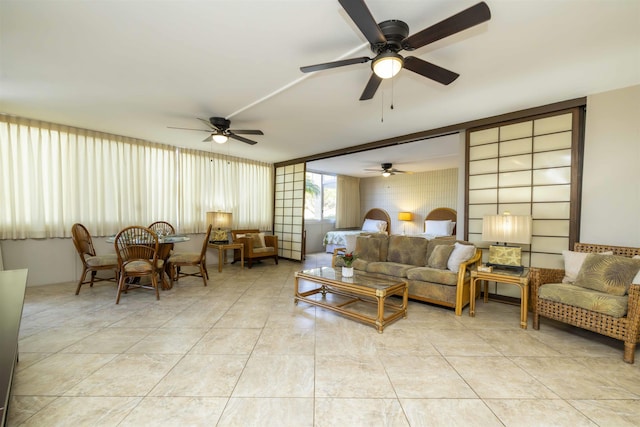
[440, 222]
[375, 221]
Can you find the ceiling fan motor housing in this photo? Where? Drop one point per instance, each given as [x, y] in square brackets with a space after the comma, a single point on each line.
[394, 31]
[386, 166]
[220, 123]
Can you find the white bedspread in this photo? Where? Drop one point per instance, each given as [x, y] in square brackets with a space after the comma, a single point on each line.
[338, 237]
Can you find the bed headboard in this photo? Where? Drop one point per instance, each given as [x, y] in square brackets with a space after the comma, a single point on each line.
[443, 214]
[381, 215]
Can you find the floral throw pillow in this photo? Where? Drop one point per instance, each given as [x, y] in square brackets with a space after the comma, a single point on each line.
[611, 274]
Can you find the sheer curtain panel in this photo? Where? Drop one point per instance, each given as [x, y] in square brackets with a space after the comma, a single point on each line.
[52, 176]
[348, 202]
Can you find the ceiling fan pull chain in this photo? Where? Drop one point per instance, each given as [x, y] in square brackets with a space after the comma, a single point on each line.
[382, 109]
[392, 94]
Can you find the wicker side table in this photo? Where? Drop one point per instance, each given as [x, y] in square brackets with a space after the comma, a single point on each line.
[520, 279]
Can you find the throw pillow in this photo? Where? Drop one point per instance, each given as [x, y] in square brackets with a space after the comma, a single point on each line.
[255, 240]
[440, 256]
[460, 254]
[573, 262]
[611, 274]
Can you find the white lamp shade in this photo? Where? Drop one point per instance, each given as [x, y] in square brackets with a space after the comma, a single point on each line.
[220, 138]
[507, 228]
[219, 220]
[387, 65]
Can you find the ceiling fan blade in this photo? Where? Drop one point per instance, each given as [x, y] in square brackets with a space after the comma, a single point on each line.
[361, 16]
[207, 122]
[247, 132]
[242, 138]
[371, 88]
[208, 139]
[405, 172]
[200, 130]
[334, 64]
[429, 70]
[461, 21]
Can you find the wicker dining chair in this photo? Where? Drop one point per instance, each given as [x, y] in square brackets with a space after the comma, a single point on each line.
[90, 261]
[191, 259]
[137, 250]
[162, 228]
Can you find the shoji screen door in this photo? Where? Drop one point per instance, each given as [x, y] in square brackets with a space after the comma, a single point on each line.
[528, 167]
[288, 218]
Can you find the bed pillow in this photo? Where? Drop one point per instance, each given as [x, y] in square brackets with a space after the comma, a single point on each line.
[438, 228]
[611, 274]
[460, 254]
[374, 225]
[452, 225]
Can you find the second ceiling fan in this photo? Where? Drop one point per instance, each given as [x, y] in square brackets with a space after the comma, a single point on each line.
[220, 132]
[389, 37]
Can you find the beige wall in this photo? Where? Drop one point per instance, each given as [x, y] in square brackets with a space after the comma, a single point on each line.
[418, 193]
[611, 182]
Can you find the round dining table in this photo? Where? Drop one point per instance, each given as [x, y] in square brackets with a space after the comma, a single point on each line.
[165, 244]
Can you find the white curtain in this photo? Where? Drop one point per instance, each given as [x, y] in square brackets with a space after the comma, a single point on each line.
[53, 176]
[348, 202]
[227, 184]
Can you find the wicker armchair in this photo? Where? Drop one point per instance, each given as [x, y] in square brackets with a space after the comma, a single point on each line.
[626, 328]
[252, 250]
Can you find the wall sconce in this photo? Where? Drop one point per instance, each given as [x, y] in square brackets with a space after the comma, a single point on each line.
[221, 222]
[506, 228]
[405, 216]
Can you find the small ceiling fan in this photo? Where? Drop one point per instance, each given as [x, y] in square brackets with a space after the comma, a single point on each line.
[388, 170]
[220, 132]
[390, 37]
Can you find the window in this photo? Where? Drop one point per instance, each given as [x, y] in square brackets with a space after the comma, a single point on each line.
[52, 176]
[320, 197]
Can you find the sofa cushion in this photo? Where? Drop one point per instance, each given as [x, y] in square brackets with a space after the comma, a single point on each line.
[407, 250]
[602, 302]
[611, 274]
[460, 254]
[369, 248]
[389, 268]
[433, 275]
[440, 256]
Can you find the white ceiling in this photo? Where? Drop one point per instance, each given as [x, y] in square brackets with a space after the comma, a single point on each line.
[135, 67]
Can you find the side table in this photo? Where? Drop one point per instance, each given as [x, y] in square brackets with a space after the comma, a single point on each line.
[222, 252]
[520, 279]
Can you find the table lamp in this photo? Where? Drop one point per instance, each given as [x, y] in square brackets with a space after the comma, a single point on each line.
[506, 228]
[404, 216]
[221, 222]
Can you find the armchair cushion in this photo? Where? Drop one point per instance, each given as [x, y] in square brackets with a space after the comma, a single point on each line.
[612, 305]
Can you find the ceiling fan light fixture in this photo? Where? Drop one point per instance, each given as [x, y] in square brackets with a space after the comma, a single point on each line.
[386, 174]
[220, 138]
[386, 65]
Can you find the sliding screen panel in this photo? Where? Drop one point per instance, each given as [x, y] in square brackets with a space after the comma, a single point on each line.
[288, 218]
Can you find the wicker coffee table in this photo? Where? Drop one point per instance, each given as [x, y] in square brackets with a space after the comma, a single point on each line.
[344, 295]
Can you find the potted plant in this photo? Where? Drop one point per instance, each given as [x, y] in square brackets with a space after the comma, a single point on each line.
[347, 260]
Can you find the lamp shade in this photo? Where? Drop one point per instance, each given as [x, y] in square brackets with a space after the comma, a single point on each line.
[387, 65]
[219, 220]
[506, 228]
[405, 216]
[219, 138]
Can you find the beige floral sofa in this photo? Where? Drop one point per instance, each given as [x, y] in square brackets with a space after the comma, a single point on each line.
[436, 270]
[594, 291]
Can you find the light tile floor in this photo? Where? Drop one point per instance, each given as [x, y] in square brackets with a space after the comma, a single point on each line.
[239, 352]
